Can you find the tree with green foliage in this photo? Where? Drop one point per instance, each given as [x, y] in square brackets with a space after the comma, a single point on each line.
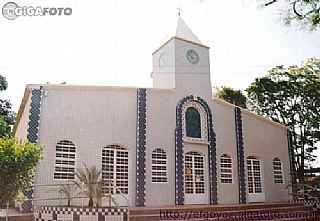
[17, 163]
[7, 116]
[232, 96]
[291, 96]
[303, 12]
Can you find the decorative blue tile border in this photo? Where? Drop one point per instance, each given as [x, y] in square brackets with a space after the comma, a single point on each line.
[240, 155]
[33, 134]
[179, 197]
[211, 153]
[141, 146]
[34, 116]
[179, 185]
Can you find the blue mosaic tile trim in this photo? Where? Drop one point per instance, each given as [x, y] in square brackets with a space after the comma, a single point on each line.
[211, 154]
[32, 134]
[141, 146]
[34, 116]
[179, 152]
[240, 155]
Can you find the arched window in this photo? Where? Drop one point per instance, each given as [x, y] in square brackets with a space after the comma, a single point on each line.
[277, 171]
[115, 168]
[65, 160]
[254, 175]
[226, 169]
[193, 123]
[159, 166]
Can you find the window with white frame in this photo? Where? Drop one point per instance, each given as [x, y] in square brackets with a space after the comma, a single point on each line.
[194, 122]
[225, 169]
[65, 160]
[277, 171]
[254, 175]
[159, 166]
[115, 170]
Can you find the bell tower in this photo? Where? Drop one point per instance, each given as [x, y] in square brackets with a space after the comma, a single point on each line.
[182, 63]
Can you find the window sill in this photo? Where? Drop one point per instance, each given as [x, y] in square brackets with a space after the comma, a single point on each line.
[155, 183]
[195, 141]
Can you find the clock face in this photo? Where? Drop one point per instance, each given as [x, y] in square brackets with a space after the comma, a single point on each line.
[192, 56]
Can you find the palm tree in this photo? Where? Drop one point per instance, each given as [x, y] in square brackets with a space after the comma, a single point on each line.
[99, 194]
[232, 96]
[90, 183]
[68, 191]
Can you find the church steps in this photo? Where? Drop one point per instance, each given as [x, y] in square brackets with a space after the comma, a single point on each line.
[219, 219]
[153, 214]
[156, 217]
[264, 205]
[216, 208]
[277, 210]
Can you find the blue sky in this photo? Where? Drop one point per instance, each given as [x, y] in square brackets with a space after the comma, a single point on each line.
[110, 42]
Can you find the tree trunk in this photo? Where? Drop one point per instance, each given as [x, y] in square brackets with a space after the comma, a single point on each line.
[90, 202]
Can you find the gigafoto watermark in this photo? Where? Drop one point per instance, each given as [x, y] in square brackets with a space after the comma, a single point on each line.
[12, 10]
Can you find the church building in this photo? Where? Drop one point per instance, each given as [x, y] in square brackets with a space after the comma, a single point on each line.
[172, 144]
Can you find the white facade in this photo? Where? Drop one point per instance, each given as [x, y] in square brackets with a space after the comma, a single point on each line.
[141, 121]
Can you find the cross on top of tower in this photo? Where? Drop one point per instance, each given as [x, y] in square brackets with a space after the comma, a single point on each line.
[179, 11]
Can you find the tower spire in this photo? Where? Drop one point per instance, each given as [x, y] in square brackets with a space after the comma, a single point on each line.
[183, 31]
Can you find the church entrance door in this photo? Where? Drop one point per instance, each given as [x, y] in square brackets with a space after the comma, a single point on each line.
[195, 178]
